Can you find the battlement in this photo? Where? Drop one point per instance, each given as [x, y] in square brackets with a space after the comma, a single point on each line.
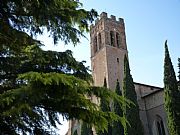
[104, 15]
[112, 17]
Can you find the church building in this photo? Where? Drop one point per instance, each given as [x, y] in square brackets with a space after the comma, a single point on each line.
[108, 48]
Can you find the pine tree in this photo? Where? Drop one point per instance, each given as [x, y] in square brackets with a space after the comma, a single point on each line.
[118, 129]
[132, 113]
[171, 95]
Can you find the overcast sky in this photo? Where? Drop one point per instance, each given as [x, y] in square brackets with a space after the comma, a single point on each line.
[148, 24]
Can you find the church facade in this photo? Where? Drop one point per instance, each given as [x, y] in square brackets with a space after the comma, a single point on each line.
[108, 48]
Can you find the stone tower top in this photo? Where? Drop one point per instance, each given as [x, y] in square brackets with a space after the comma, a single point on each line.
[104, 15]
[107, 31]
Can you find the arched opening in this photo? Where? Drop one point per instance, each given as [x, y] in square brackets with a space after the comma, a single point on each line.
[160, 125]
[118, 42]
[112, 38]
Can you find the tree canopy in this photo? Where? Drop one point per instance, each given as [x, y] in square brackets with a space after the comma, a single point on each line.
[59, 17]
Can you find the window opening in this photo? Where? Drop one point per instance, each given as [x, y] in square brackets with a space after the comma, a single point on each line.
[112, 38]
[118, 40]
[117, 60]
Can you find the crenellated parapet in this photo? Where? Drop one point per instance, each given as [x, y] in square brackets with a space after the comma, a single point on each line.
[104, 16]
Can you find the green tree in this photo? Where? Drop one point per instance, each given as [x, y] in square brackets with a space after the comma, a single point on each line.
[105, 107]
[118, 128]
[131, 113]
[171, 95]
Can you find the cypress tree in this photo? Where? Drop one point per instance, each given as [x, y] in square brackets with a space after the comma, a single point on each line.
[132, 113]
[117, 126]
[105, 108]
[171, 95]
[103, 104]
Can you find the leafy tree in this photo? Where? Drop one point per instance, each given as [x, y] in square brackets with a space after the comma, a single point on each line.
[86, 129]
[132, 113]
[117, 126]
[171, 95]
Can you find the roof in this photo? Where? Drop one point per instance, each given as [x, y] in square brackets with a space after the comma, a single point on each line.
[153, 92]
[148, 85]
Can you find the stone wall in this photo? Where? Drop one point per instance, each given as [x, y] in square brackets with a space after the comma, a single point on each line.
[151, 106]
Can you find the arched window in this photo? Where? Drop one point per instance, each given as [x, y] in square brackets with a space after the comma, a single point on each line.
[95, 45]
[112, 38]
[118, 42]
[99, 40]
[160, 126]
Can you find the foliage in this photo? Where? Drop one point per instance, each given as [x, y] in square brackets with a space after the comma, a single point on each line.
[132, 113]
[33, 58]
[36, 105]
[59, 17]
[118, 128]
[64, 20]
[171, 95]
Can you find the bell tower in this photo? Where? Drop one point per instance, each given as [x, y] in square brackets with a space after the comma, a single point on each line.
[108, 47]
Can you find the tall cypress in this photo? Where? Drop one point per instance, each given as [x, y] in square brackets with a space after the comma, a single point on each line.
[171, 95]
[132, 113]
[105, 108]
[117, 126]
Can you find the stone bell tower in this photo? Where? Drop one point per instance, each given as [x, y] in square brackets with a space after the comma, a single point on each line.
[108, 47]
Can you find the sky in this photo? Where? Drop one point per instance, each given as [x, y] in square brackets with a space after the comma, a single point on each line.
[148, 24]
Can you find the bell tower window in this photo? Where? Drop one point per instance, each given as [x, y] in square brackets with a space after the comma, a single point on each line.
[118, 40]
[112, 38]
